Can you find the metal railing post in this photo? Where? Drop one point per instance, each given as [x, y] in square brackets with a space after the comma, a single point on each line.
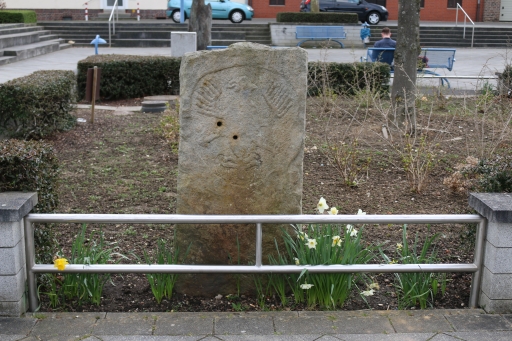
[477, 260]
[30, 259]
[259, 238]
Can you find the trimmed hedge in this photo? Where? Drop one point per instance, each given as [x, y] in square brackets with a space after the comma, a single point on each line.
[17, 16]
[347, 78]
[321, 17]
[125, 76]
[37, 105]
[30, 166]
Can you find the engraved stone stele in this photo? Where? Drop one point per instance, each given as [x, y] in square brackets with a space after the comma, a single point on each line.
[242, 121]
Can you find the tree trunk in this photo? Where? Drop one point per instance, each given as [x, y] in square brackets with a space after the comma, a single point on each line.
[403, 92]
[315, 6]
[201, 23]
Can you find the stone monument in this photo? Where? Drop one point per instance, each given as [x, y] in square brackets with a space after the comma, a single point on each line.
[242, 121]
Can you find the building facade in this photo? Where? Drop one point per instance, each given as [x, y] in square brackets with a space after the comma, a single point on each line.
[431, 10]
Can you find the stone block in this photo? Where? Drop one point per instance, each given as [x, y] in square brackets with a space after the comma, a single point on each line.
[242, 116]
[244, 325]
[15, 205]
[478, 322]
[499, 234]
[13, 308]
[176, 325]
[183, 42]
[496, 207]
[12, 259]
[497, 286]
[11, 233]
[497, 259]
[12, 287]
[495, 306]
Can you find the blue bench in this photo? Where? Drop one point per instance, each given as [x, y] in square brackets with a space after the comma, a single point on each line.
[320, 33]
[216, 47]
[429, 58]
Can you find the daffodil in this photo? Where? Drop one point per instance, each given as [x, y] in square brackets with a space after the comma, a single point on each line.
[306, 286]
[60, 263]
[311, 243]
[333, 211]
[322, 205]
[374, 285]
[399, 246]
[353, 233]
[336, 241]
[303, 235]
[297, 262]
[360, 212]
[367, 293]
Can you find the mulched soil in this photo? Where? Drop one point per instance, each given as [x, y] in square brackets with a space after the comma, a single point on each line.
[121, 164]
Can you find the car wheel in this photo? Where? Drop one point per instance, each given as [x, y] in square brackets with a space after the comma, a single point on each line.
[236, 17]
[176, 15]
[373, 18]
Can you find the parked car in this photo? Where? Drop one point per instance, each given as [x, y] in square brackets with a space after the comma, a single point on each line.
[221, 9]
[367, 12]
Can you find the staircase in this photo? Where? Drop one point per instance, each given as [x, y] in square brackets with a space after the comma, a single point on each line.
[439, 36]
[138, 34]
[18, 42]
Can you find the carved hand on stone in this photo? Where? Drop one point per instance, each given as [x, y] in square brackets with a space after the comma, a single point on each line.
[278, 100]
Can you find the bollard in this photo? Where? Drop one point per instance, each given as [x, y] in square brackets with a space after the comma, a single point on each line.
[138, 12]
[86, 12]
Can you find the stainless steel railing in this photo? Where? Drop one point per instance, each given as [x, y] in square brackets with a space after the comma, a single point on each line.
[466, 16]
[114, 16]
[258, 220]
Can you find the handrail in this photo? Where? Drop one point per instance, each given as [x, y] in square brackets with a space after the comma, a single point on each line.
[258, 220]
[115, 9]
[465, 16]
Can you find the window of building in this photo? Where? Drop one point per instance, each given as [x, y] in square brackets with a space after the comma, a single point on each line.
[453, 3]
[276, 2]
[422, 3]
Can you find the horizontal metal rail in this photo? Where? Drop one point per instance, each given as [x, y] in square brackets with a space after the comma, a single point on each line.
[258, 220]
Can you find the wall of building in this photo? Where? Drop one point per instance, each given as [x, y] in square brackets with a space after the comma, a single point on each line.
[436, 10]
[262, 9]
[492, 10]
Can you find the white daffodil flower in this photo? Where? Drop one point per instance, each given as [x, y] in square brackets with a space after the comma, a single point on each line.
[311, 243]
[297, 262]
[333, 211]
[336, 241]
[375, 286]
[303, 235]
[353, 233]
[367, 293]
[306, 286]
[360, 212]
[399, 246]
[322, 205]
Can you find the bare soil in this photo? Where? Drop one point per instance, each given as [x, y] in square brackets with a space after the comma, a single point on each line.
[122, 164]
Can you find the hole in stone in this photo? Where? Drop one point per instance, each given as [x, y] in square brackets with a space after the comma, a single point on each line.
[219, 124]
[235, 137]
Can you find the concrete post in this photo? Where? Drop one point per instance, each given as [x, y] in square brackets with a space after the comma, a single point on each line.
[14, 206]
[183, 42]
[496, 292]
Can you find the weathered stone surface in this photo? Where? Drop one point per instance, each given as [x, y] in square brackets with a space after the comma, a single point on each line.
[242, 118]
[201, 23]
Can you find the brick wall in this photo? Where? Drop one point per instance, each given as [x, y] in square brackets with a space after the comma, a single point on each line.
[492, 10]
[148, 13]
[262, 9]
[58, 14]
[436, 10]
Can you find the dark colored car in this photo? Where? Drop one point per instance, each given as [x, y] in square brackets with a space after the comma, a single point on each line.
[367, 12]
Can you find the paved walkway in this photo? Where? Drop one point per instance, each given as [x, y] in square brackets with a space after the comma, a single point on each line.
[435, 325]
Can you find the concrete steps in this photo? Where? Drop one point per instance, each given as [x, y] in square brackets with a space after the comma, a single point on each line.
[138, 34]
[19, 42]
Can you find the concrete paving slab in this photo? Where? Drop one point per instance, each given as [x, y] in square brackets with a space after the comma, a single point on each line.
[16, 326]
[424, 323]
[508, 317]
[363, 325]
[125, 324]
[238, 325]
[444, 337]
[5, 337]
[486, 335]
[386, 337]
[174, 325]
[303, 325]
[272, 337]
[479, 322]
[64, 326]
[151, 338]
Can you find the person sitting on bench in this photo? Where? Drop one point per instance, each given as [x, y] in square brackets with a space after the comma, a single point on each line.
[385, 42]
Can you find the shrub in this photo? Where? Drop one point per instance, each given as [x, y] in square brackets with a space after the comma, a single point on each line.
[347, 78]
[37, 105]
[32, 166]
[125, 76]
[308, 17]
[16, 16]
